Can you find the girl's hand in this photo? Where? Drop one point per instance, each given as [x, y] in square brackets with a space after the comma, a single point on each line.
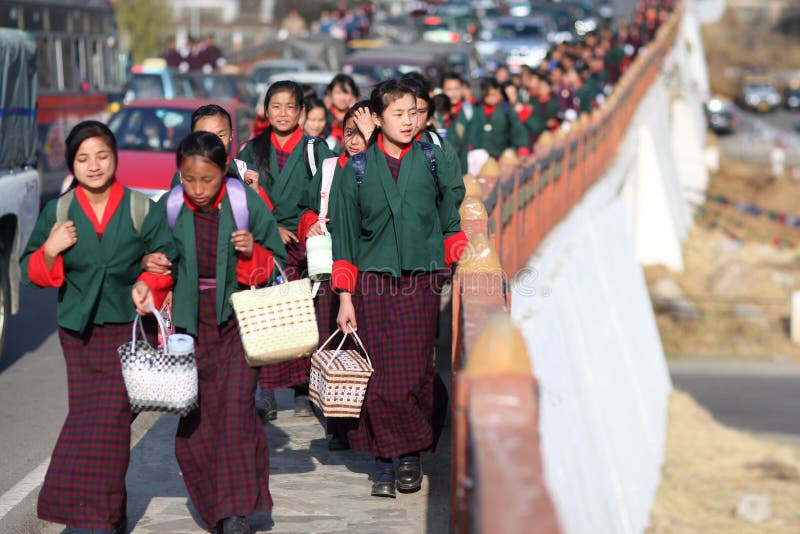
[251, 178]
[287, 236]
[156, 263]
[62, 237]
[142, 298]
[315, 229]
[347, 313]
[243, 243]
[364, 122]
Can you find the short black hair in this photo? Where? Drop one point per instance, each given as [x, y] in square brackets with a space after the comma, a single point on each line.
[204, 144]
[210, 110]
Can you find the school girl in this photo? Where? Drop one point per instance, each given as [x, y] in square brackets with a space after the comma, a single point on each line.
[342, 93]
[90, 243]
[495, 125]
[220, 447]
[393, 228]
[289, 168]
[316, 120]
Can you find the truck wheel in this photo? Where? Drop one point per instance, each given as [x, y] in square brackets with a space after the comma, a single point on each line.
[5, 302]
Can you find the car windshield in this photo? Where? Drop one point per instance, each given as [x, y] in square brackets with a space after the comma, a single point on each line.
[519, 30]
[150, 129]
[143, 86]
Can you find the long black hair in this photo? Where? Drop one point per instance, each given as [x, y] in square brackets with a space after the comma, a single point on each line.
[262, 144]
[344, 82]
[204, 144]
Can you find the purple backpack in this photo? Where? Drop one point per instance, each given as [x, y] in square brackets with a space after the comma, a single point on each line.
[236, 195]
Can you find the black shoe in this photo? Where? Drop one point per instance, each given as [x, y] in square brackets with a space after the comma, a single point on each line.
[302, 406]
[268, 408]
[384, 483]
[235, 525]
[122, 527]
[409, 475]
[338, 443]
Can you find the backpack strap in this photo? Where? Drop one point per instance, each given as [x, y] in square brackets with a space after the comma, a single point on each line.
[238, 199]
[359, 162]
[430, 159]
[140, 207]
[328, 170]
[174, 204]
[311, 155]
[468, 110]
[62, 206]
[236, 195]
[436, 138]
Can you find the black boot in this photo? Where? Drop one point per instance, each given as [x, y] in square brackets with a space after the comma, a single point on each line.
[383, 485]
[234, 525]
[409, 473]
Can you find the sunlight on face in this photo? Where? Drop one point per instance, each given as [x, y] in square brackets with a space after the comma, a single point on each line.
[218, 125]
[283, 112]
[94, 164]
[201, 179]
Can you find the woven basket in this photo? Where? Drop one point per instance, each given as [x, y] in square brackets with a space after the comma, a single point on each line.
[339, 379]
[276, 323]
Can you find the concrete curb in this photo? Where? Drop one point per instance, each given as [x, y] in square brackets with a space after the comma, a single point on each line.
[22, 518]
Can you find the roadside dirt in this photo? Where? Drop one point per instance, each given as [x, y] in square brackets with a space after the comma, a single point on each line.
[709, 467]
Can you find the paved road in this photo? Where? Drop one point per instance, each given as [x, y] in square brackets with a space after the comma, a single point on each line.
[763, 398]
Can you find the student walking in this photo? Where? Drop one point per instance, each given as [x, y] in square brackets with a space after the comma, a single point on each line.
[90, 243]
[221, 447]
[496, 125]
[289, 168]
[393, 228]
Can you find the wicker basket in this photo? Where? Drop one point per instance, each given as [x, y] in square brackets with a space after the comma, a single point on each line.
[276, 323]
[339, 378]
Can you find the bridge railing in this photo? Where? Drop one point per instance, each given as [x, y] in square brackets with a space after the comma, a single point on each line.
[497, 481]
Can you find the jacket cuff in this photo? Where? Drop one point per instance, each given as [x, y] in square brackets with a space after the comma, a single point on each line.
[160, 285]
[306, 220]
[257, 269]
[265, 197]
[454, 246]
[40, 275]
[344, 275]
[523, 151]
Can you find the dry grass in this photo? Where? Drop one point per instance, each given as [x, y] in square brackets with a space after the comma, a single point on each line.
[708, 468]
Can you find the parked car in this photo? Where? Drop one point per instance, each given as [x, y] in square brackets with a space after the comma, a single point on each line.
[792, 95]
[720, 116]
[149, 131]
[225, 87]
[153, 79]
[759, 93]
[261, 71]
[517, 41]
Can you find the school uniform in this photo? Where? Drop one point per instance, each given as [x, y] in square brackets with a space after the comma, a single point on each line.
[293, 193]
[457, 127]
[497, 128]
[221, 448]
[454, 170]
[389, 242]
[335, 126]
[233, 172]
[541, 114]
[85, 482]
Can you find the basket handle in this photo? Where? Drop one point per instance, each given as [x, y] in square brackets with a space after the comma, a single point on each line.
[360, 344]
[162, 326]
[280, 270]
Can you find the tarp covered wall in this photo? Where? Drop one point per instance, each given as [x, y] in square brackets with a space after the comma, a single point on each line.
[17, 99]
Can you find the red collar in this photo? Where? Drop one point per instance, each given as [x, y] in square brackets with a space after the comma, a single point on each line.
[115, 195]
[488, 110]
[194, 207]
[380, 146]
[343, 157]
[456, 109]
[290, 143]
[336, 113]
[418, 137]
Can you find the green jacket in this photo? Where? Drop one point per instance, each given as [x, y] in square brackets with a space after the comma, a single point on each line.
[388, 227]
[457, 134]
[498, 132]
[540, 114]
[186, 300]
[455, 172]
[292, 191]
[99, 274]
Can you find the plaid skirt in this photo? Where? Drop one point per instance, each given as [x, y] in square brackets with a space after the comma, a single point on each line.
[397, 319]
[85, 483]
[221, 446]
[292, 372]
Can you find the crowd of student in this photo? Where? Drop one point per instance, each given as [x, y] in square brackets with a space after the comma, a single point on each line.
[392, 212]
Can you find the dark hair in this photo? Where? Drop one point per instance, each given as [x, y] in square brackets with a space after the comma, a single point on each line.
[387, 92]
[452, 76]
[312, 102]
[210, 110]
[346, 83]
[204, 144]
[487, 84]
[83, 131]
[286, 86]
[420, 91]
[355, 107]
[417, 78]
[442, 103]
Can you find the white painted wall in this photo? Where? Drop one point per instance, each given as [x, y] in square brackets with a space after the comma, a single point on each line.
[583, 307]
